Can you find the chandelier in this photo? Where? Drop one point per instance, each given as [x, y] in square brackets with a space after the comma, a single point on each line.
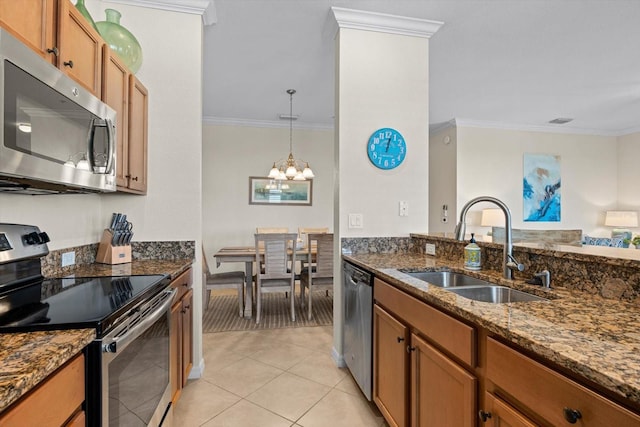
[291, 168]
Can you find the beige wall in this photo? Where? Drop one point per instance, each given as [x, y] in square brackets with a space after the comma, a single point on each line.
[230, 155]
[442, 179]
[172, 72]
[629, 172]
[490, 161]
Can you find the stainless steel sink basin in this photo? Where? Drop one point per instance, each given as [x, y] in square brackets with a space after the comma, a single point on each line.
[447, 279]
[495, 294]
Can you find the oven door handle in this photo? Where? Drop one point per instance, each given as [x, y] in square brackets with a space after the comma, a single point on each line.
[113, 345]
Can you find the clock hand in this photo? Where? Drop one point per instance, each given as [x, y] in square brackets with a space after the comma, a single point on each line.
[388, 143]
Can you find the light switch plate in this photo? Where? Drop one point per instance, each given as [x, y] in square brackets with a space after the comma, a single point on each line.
[355, 220]
[404, 208]
[430, 249]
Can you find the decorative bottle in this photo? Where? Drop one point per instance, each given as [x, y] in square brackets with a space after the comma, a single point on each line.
[84, 12]
[120, 40]
[472, 260]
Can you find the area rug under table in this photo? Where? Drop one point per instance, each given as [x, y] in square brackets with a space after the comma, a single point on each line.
[222, 314]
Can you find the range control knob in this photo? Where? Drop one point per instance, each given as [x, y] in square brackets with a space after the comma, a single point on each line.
[44, 237]
[32, 238]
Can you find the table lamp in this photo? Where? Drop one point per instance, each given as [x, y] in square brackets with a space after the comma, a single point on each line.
[492, 217]
[621, 220]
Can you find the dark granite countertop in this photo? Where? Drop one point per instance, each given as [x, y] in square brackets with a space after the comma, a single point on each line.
[28, 358]
[137, 267]
[596, 338]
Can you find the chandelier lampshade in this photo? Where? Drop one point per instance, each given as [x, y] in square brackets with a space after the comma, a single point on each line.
[290, 168]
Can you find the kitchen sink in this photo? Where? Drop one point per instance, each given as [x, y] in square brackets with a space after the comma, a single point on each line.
[495, 294]
[447, 279]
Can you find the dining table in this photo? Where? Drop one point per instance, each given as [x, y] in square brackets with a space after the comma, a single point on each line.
[247, 254]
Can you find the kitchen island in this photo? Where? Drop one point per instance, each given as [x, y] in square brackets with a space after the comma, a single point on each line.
[593, 340]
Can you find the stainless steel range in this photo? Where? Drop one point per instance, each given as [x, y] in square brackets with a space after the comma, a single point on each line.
[128, 362]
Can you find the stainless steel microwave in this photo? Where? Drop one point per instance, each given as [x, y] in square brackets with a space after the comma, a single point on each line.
[55, 136]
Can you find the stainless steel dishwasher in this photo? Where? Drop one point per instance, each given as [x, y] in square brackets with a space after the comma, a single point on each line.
[358, 308]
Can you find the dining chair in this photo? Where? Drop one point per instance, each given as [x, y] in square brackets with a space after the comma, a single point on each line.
[302, 235]
[318, 275]
[226, 280]
[276, 274]
[263, 230]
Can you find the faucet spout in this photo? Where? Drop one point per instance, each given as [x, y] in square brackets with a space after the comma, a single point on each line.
[508, 260]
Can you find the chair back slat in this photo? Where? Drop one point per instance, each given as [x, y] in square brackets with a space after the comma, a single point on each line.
[273, 250]
[324, 254]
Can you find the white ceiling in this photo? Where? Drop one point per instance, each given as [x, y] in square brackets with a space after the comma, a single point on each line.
[504, 63]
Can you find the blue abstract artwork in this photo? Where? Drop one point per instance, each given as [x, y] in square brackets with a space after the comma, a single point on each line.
[541, 188]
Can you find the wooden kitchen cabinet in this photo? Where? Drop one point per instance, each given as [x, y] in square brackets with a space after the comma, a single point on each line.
[55, 402]
[80, 48]
[416, 380]
[498, 413]
[34, 22]
[128, 97]
[135, 170]
[548, 395]
[115, 92]
[390, 367]
[181, 339]
[57, 31]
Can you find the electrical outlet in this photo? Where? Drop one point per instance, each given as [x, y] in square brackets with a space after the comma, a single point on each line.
[430, 249]
[68, 258]
[404, 208]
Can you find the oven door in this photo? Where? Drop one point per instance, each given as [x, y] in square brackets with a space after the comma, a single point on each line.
[135, 366]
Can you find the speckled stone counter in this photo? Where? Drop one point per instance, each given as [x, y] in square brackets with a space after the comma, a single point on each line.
[596, 338]
[28, 358]
[137, 267]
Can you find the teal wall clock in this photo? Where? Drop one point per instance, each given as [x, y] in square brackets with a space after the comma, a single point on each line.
[386, 148]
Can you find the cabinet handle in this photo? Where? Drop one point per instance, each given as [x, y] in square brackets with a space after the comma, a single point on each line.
[185, 284]
[484, 416]
[53, 50]
[135, 178]
[410, 349]
[572, 415]
[68, 64]
[400, 339]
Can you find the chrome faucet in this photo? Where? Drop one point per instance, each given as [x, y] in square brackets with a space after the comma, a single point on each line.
[509, 263]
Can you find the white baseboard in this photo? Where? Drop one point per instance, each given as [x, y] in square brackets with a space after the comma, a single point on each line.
[338, 358]
[197, 370]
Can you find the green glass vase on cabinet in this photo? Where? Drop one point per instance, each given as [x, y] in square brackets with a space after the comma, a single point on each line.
[84, 12]
[123, 43]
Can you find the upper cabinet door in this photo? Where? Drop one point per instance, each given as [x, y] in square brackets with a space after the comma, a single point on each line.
[115, 92]
[138, 111]
[33, 22]
[80, 48]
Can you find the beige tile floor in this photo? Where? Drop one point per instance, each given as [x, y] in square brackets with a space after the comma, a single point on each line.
[272, 378]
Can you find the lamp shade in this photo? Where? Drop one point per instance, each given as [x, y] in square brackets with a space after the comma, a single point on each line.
[492, 218]
[621, 219]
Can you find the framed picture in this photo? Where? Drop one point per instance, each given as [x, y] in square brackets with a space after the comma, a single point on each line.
[267, 191]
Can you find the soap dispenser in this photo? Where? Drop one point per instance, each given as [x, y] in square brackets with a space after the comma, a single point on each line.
[472, 260]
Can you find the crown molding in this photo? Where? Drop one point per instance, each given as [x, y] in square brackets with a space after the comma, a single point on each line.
[206, 8]
[380, 22]
[228, 121]
[534, 128]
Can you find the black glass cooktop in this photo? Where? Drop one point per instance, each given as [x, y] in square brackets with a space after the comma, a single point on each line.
[95, 302]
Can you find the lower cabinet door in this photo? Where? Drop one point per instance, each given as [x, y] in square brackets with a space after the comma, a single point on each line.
[390, 367]
[500, 414]
[442, 392]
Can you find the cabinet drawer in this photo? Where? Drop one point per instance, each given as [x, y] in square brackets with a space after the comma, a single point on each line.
[182, 283]
[52, 402]
[547, 393]
[453, 336]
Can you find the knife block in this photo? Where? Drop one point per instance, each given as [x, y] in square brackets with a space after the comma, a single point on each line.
[109, 254]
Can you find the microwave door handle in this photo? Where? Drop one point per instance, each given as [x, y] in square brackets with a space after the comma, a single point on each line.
[111, 140]
[90, 144]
